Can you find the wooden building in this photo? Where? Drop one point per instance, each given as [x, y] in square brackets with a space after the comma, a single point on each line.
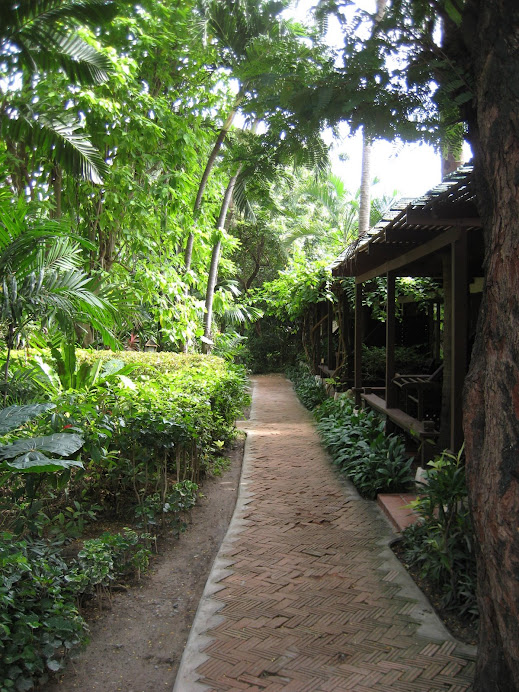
[438, 235]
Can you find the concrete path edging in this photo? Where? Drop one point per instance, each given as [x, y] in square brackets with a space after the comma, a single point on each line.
[206, 615]
[395, 637]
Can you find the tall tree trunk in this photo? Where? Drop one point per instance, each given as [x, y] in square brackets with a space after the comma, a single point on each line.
[365, 178]
[188, 255]
[215, 258]
[491, 407]
[365, 184]
[451, 160]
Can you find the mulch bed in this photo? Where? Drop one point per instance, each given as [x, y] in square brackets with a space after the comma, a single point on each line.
[462, 628]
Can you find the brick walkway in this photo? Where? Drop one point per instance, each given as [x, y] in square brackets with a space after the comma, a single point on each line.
[305, 595]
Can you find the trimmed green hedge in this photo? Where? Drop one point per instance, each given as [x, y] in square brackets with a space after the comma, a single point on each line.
[149, 435]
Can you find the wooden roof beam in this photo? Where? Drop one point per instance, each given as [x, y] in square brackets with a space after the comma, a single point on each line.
[413, 255]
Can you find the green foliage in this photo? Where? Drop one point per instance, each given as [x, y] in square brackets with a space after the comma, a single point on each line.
[442, 543]
[26, 455]
[42, 282]
[407, 359]
[178, 413]
[102, 560]
[144, 449]
[39, 620]
[167, 509]
[38, 38]
[309, 388]
[373, 461]
[62, 372]
[272, 345]
[298, 287]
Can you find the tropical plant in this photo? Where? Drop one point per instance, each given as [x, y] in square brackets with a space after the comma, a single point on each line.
[41, 278]
[27, 454]
[441, 545]
[309, 388]
[373, 461]
[65, 373]
[38, 37]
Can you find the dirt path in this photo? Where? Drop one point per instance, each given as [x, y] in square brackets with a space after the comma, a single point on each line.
[136, 646]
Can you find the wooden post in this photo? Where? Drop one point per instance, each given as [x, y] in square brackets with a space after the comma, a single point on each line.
[347, 337]
[459, 337]
[331, 349]
[359, 338]
[446, 418]
[437, 331]
[391, 395]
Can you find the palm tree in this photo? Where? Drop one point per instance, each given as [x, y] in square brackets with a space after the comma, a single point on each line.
[236, 25]
[41, 280]
[365, 183]
[37, 37]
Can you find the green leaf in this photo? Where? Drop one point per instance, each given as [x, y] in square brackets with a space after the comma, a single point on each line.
[36, 462]
[15, 416]
[54, 665]
[59, 443]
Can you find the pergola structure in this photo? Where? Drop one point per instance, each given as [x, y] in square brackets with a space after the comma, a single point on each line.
[438, 235]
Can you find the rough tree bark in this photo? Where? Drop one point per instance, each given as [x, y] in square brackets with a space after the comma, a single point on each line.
[491, 409]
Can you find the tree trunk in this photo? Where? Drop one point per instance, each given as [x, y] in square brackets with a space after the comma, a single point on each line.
[365, 185]
[215, 258]
[365, 181]
[188, 255]
[491, 410]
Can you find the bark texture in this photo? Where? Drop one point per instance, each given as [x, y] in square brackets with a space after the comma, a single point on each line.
[491, 411]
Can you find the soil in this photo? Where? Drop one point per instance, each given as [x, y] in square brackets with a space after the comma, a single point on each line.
[137, 639]
[462, 628]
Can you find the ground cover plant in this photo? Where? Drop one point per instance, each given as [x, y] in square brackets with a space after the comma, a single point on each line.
[441, 544]
[145, 429]
[309, 388]
[373, 461]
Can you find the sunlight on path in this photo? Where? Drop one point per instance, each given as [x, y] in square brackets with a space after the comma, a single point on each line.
[305, 594]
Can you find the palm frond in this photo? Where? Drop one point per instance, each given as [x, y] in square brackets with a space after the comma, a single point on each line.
[60, 138]
[39, 34]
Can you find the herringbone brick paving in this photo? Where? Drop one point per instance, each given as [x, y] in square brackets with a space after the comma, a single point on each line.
[311, 599]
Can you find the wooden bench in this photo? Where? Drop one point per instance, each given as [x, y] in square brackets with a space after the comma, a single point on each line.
[423, 431]
[419, 385]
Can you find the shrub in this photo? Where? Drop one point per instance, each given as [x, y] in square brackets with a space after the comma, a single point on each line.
[355, 438]
[147, 432]
[39, 620]
[442, 544]
[101, 560]
[309, 389]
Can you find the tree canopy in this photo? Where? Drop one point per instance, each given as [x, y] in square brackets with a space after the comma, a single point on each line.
[126, 125]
